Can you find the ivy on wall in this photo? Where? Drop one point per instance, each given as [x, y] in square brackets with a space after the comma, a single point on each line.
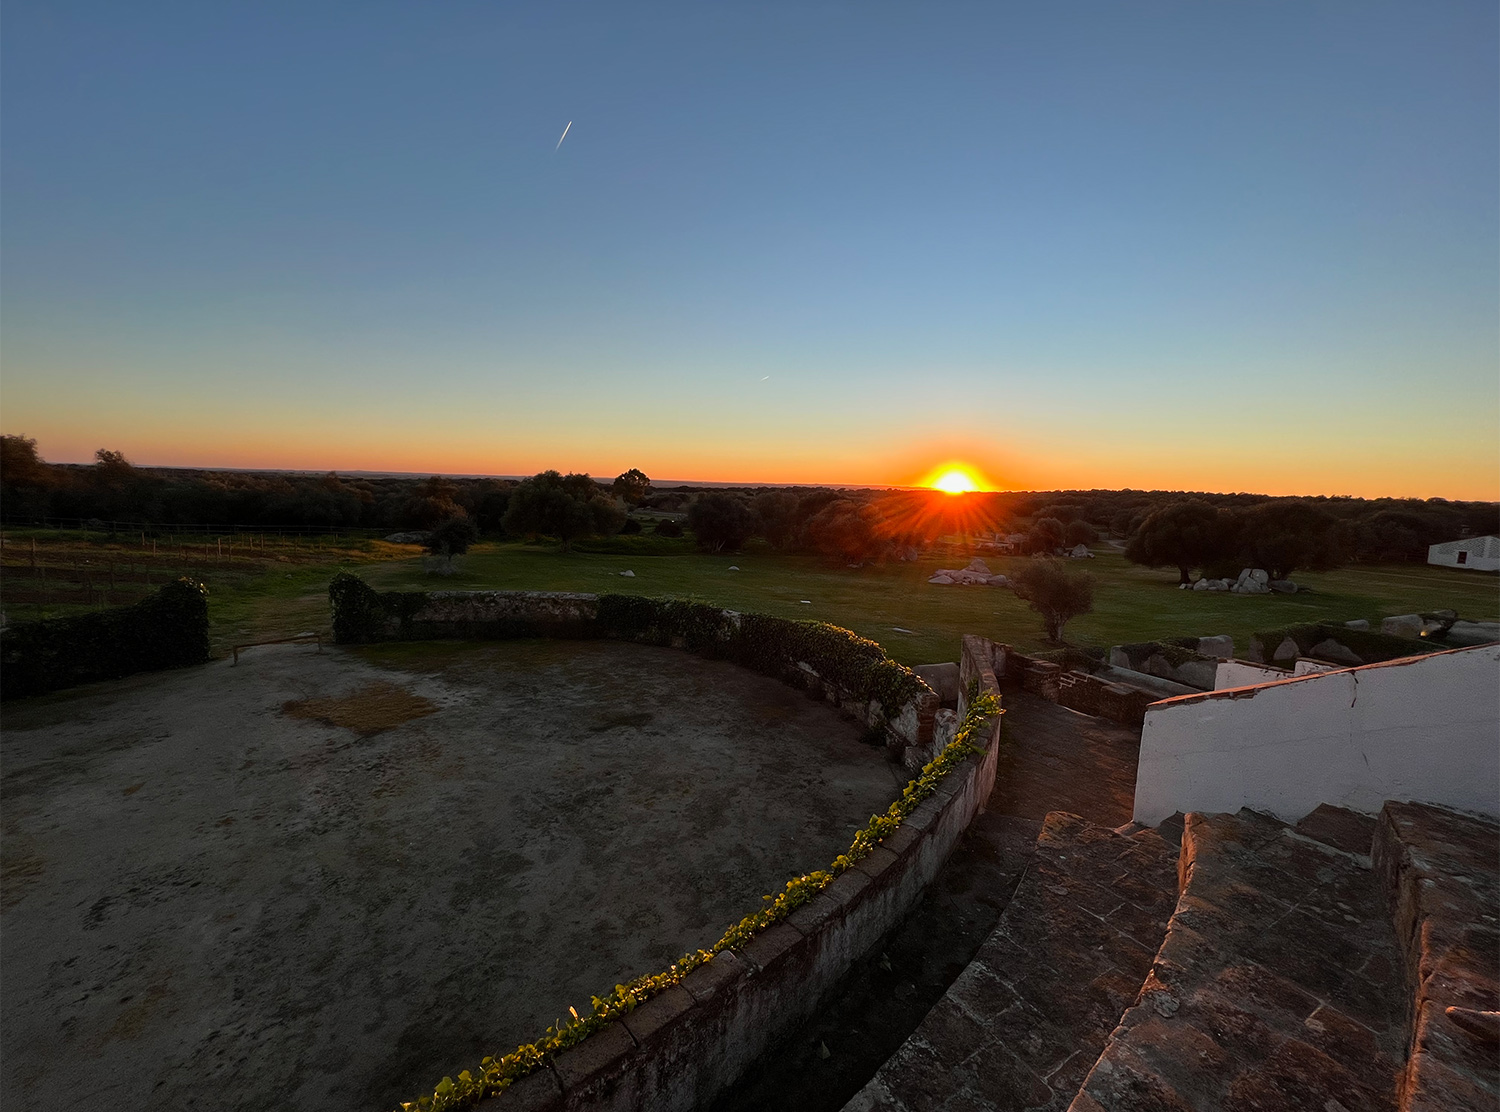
[166, 630]
[495, 1075]
[771, 646]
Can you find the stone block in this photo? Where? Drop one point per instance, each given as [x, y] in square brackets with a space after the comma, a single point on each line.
[538, 1091]
[816, 915]
[1220, 646]
[1329, 649]
[651, 1018]
[714, 976]
[597, 1065]
[1402, 625]
[942, 678]
[771, 947]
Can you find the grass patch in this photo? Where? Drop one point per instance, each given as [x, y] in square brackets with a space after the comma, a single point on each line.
[282, 590]
[371, 709]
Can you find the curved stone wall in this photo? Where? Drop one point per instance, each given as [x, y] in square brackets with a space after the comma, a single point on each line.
[680, 1049]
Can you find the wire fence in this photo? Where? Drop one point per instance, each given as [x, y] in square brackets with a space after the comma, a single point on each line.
[158, 529]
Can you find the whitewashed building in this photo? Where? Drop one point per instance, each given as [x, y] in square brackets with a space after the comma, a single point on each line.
[1479, 553]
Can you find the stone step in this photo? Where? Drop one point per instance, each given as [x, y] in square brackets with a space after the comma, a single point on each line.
[1026, 1019]
[1278, 984]
[1440, 872]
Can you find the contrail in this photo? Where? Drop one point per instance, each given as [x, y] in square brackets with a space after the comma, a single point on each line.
[564, 136]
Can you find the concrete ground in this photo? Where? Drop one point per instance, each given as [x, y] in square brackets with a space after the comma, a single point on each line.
[215, 897]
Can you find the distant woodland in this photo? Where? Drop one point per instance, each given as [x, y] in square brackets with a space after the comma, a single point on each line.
[842, 525]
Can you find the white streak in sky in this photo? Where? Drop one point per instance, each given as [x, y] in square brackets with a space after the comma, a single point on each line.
[767, 376]
[564, 136]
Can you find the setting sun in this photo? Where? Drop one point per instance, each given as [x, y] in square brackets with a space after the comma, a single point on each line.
[954, 482]
[954, 478]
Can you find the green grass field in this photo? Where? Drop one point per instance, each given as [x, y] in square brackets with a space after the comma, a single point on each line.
[286, 592]
[1132, 603]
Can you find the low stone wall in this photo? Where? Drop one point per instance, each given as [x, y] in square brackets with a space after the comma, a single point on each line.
[1073, 689]
[495, 615]
[362, 615]
[680, 1049]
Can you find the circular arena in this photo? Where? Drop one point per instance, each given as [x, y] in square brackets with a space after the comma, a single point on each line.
[323, 879]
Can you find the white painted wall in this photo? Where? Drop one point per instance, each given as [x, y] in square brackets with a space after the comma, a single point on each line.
[1480, 554]
[1424, 728]
[1242, 673]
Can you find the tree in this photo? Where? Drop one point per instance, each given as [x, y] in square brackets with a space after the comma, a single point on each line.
[1046, 535]
[1283, 536]
[452, 538]
[847, 532]
[19, 463]
[632, 486]
[1183, 535]
[1080, 532]
[776, 517]
[487, 503]
[113, 466]
[1053, 591]
[430, 504]
[720, 522]
[563, 506]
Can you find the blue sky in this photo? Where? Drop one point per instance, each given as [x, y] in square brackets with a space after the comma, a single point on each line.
[1232, 247]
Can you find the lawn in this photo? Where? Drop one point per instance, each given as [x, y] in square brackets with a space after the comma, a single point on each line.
[918, 622]
[282, 590]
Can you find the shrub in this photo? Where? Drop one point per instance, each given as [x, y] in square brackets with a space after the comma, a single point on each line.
[666, 527]
[167, 630]
[451, 538]
[631, 527]
[1054, 592]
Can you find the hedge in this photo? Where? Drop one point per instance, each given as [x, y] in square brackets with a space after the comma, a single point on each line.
[772, 646]
[167, 630]
[495, 1075]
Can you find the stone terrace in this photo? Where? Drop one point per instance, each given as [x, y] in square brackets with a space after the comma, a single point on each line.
[1025, 1021]
[1278, 985]
[1341, 964]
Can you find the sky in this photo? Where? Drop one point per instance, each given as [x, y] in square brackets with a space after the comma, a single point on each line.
[1235, 247]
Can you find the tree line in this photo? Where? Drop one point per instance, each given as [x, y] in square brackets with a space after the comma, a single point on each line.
[1189, 531]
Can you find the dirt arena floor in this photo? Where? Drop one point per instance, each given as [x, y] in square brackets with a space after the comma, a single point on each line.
[323, 880]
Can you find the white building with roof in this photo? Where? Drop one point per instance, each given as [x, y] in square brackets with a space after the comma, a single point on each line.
[1479, 553]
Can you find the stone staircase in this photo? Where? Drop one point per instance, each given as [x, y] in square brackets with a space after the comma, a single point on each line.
[1337, 965]
[1025, 1021]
